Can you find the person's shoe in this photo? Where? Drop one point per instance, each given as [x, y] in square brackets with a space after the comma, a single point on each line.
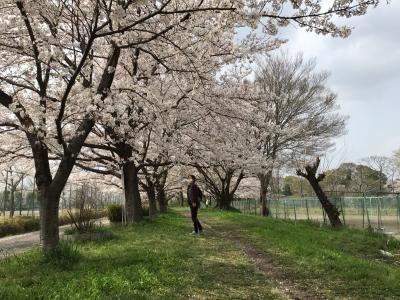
[193, 232]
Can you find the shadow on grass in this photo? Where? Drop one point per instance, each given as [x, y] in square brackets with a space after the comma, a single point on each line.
[156, 259]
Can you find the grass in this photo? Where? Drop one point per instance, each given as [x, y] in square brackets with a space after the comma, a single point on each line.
[343, 263]
[64, 256]
[159, 260]
[153, 260]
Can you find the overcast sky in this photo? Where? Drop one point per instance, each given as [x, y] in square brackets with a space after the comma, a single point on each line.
[365, 73]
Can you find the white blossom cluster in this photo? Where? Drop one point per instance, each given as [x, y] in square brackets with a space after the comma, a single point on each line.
[87, 81]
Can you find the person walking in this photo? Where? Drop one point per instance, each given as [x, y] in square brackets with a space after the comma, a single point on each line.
[194, 196]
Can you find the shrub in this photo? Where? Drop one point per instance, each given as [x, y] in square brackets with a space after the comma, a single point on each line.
[19, 225]
[114, 212]
[65, 217]
[9, 228]
[31, 224]
[64, 255]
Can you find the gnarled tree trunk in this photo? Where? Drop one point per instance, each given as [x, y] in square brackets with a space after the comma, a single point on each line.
[222, 189]
[311, 175]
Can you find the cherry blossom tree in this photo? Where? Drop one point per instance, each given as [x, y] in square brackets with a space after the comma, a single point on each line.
[299, 106]
[59, 59]
[218, 145]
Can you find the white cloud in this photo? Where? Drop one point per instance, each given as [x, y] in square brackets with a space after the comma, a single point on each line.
[365, 72]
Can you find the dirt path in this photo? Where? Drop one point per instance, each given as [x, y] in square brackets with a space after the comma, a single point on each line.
[264, 263]
[12, 245]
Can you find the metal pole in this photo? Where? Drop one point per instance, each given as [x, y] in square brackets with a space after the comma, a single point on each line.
[363, 210]
[284, 208]
[22, 195]
[398, 212]
[378, 204]
[295, 215]
[5, 195]
[342, 207]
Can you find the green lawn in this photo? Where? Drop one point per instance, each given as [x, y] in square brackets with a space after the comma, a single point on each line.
[160, 260]
[343, 263]
[154, 260]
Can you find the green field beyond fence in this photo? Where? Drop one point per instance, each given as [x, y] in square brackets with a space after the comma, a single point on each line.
[379, 213]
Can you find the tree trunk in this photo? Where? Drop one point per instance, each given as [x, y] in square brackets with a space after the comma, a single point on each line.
[330, 209]
[151, 195]
[133, 201]
[49, 233]
[314, 180]
[161, 199]
[224, 200]
[160, 191]
[12, 203]
[225, 189]
[265, 179]
[181, 197]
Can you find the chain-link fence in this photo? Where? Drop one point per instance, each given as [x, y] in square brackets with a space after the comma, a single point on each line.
[19, 196]
[377, 212]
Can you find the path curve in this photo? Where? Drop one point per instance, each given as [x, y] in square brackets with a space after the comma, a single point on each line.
[15, 244]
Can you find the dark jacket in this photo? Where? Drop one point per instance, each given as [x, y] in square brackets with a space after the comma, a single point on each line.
[194, 194]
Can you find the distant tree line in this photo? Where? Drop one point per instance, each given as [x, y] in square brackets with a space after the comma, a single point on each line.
[376, 174]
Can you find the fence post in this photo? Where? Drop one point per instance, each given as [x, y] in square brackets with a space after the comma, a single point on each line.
[308, 214]
[324, 215]
[22, 195]
[5, 198]
[342, 208]
[378, 203]
[368, 219]
[294, 207]
[363, 210]
[398, 212]
[284, 210]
